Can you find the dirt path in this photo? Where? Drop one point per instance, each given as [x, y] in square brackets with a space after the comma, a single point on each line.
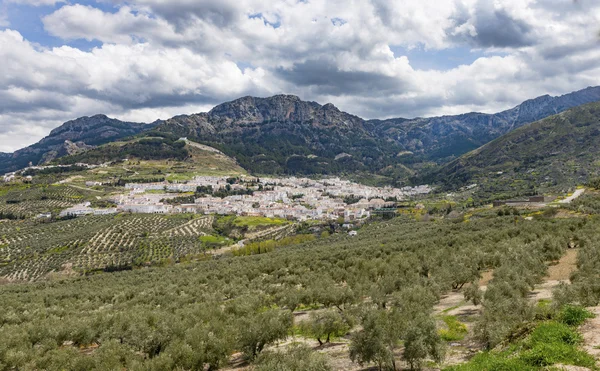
[591, 333]
[565, 266]
[572, 197]
[557, 274]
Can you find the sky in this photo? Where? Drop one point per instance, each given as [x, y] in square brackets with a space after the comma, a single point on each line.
[142, 60]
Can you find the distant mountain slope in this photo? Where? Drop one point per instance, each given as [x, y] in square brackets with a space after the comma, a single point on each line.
[561, 150]
[71, 137]
[283, 134]
[439, 139]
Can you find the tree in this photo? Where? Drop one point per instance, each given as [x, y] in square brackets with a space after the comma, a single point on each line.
[421, 340]
[323, 325]
[473, 293]
[376, 341]
[261, 329]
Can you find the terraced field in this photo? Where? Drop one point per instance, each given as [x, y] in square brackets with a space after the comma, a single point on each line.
[25, 201]
[30, 250]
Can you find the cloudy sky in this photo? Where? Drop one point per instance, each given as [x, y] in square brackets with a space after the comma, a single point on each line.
[141, 60]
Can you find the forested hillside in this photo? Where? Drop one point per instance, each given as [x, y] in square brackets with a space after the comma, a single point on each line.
[559, 151]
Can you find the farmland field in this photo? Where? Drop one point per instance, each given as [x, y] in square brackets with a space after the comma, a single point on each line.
[338, 295]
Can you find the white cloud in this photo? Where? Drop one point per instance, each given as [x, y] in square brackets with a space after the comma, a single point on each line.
[51, 86]
[163, 58]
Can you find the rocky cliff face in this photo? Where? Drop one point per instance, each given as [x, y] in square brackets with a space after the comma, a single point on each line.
[283, 134]
[73, 136]
[284, 108]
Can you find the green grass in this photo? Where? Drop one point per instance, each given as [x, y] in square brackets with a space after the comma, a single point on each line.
[214, 241]
[574, 315]
[456, 330]
[550, 343]
[255, 221]
[181, 176]
[452, 308]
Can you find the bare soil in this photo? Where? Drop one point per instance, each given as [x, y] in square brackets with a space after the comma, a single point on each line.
[590, 331]
[565, 266]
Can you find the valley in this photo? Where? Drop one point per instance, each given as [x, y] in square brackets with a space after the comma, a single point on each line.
[277, 234]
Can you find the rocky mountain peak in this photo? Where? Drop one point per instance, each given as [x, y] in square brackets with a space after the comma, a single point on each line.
[81, 124]
[330, 107]
[253, 109]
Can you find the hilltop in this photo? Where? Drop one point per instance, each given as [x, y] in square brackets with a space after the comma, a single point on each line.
[70, 138]
[154, 155]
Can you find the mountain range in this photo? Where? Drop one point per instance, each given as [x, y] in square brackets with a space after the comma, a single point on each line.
[284, 134]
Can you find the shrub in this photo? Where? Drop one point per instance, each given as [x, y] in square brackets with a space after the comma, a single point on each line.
[574, 315]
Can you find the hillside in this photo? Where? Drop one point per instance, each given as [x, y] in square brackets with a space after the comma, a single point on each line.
[561, 150]
[439, 139]
[284, 134]
[398, 285]
[155, 154]
[71, 137]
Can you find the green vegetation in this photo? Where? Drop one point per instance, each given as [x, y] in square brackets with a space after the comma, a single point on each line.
[456, 330]
[126, 291]
[26, 201]
[94, 243]
[574, 315]
[550, 343]
[554, 153]
[325, 325]
[261, 227]
[381, 284]
[152, 146]
[297, 358]
[214, 242]
[257, 221]
[266, 246]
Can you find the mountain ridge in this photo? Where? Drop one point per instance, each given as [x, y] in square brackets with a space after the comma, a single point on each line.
[82, 133]
[443, 137]
[284, 134]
